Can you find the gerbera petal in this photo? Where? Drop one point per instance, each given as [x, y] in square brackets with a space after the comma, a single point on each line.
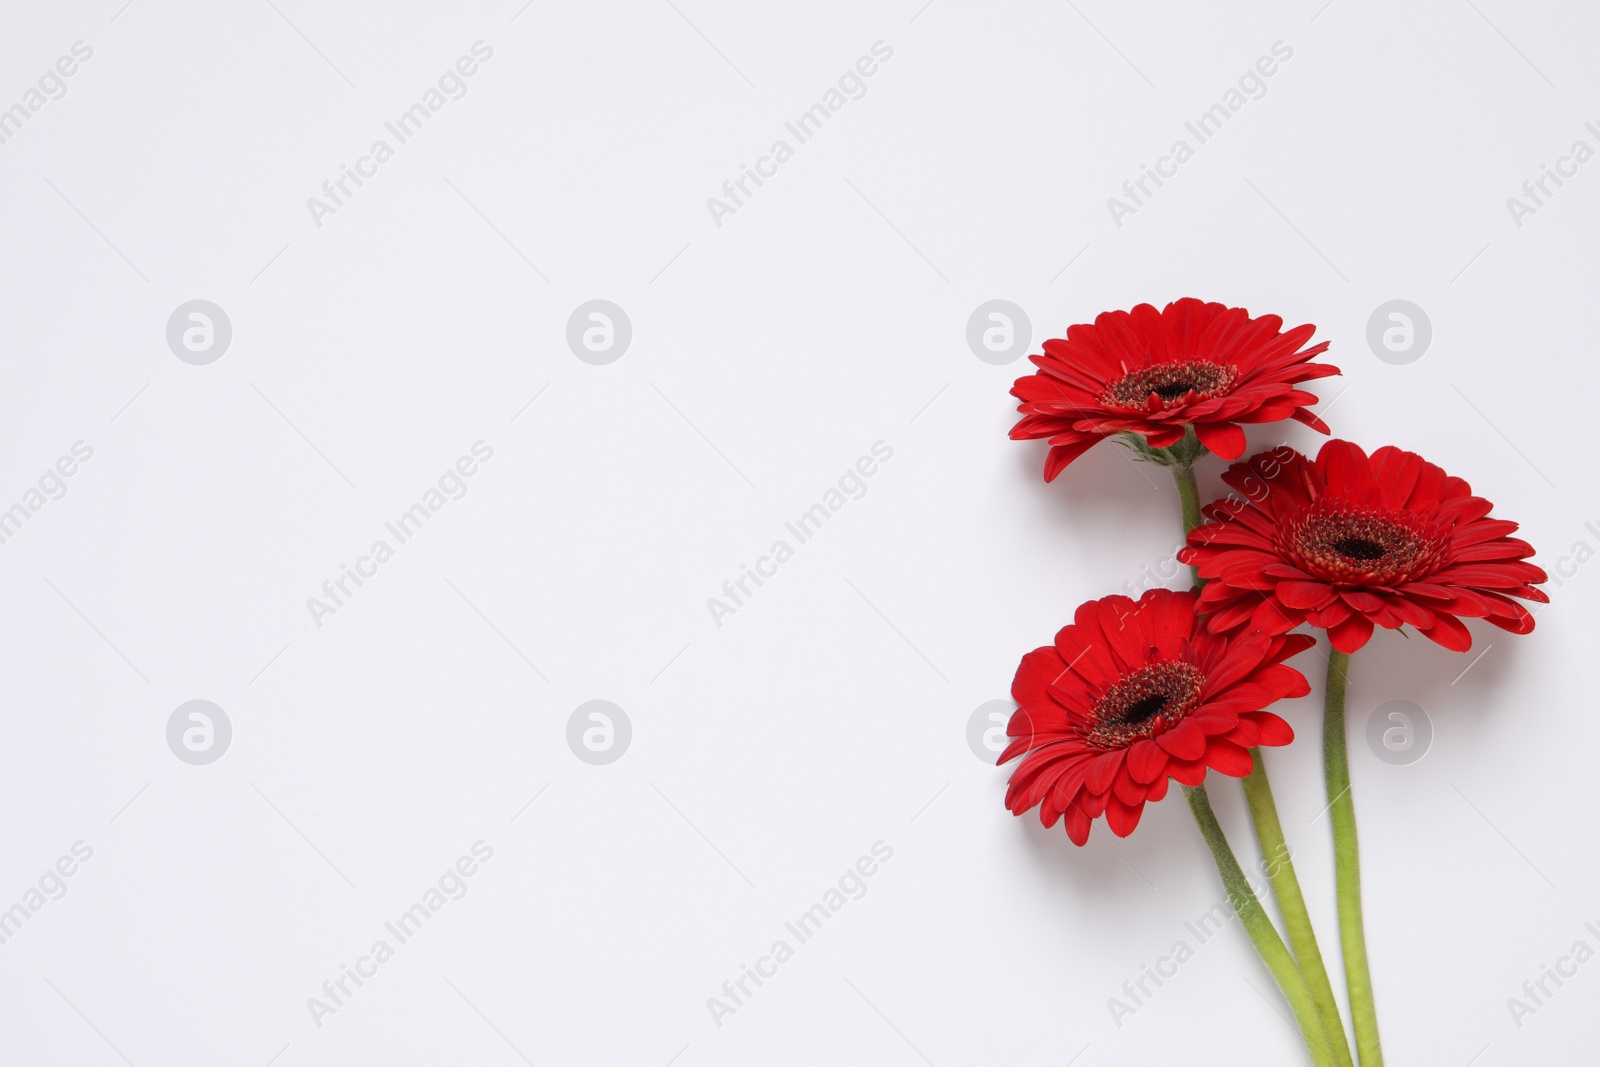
[1344, 465]
[1291, 645]
[1186, 741]
[1125, 789]
[1274, 730]
[1284, 682]
[1163, 436]
[1061, 456]
[1304, 595]
[1450, 632]
[1101, 771]
[1349, 635]
[1126, 642]
[1514, 618]
[1311, 419]
[1084, 656]
[1037, 670]
[1229, 758]
[1147, 761]
[1245, 734]
[1396, 472]
[1226, 439]
[1077, 823]
[1123, 818]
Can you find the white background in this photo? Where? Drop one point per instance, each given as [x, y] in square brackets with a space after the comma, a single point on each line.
[829, 712]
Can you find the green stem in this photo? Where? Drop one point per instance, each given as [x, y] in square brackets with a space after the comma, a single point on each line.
[1262, 933]
[1292, 905]
[1347, 864]
[1269, 832]
[1189, 497]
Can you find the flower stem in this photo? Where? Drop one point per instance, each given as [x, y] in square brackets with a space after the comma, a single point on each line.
[1262, 933]
[1347, 864]
[1189, 497]
[1269, 832]
[1292, 905]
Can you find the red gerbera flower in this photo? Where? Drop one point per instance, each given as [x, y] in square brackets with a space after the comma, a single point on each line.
[1348, 543]
[1153, 372]
[1131, 694]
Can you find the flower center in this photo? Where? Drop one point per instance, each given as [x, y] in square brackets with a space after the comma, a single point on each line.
[1145, 710]
[1170, 383]
[1356, 546]
[1359, 548]
[1145, 702]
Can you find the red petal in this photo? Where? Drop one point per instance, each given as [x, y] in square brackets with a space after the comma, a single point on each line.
[1122, 818]
[1077, 824]
[1285, 682]
[1062, 455]
[1304, 596]
[1102, 771]
[1274, 731]
[1223, 438]
[1450, 632]
[1348, 471]
[1187, 772]
[1147, 761]
[1349, 635]
[1229, 758]
[1186, 741]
